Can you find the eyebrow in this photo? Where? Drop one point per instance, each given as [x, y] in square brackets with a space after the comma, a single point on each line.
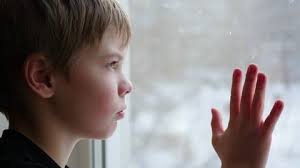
[119, 56]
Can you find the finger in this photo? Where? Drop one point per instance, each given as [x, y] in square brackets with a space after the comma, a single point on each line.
[273, 117]
[235, 97]
[248, 92]
[216, 123]
[258, 100]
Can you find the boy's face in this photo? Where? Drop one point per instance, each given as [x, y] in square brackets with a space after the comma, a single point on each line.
[89, 102]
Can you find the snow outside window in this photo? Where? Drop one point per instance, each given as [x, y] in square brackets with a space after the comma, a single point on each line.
[181, 58]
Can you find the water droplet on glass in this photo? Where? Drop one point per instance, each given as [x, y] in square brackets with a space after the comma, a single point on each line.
[171, 6]
[181, 30]
[228, 33]
[291, 2]
[200, 12]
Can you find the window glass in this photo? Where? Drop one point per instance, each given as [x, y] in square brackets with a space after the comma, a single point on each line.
[182, 57]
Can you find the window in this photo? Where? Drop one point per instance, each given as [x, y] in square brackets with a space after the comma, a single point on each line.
[181, 58]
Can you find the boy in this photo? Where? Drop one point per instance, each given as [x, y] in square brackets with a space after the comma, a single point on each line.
[65, 83]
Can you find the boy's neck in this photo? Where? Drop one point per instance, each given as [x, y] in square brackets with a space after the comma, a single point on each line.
[53, 140]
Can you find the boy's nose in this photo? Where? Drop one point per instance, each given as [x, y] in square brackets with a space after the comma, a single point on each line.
[125, 88]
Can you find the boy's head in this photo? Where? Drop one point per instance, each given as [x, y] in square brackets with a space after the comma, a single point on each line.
[61, 56]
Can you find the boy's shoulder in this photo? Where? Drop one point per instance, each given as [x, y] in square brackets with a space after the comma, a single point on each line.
[16, 164]
[13, 153]
[17, 151]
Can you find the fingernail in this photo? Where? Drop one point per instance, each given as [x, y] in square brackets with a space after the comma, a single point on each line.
[261, 78]
[252, 68]
[279, 105]
[237, 73]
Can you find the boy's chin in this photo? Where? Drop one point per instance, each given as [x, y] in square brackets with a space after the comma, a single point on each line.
[102, 135]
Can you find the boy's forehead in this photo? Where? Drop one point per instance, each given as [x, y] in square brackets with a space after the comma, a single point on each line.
[112, 43]
[117, 36]
[109, 47]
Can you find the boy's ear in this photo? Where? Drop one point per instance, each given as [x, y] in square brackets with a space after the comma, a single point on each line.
[39, 75]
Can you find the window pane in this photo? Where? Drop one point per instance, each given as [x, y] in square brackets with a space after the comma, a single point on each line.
[182, 56]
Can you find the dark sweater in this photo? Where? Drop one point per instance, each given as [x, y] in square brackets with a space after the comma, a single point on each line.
[17, 151]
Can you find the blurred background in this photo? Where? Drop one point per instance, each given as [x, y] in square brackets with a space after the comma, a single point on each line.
[182, 56]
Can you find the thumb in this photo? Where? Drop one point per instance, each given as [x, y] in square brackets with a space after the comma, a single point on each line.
[216, 123]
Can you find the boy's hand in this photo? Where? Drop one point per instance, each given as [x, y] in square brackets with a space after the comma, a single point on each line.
[246, 142]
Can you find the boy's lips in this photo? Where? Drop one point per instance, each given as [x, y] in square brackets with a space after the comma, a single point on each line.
[120, 115]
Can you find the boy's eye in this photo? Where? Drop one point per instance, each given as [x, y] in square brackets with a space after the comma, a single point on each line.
[114, 65]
